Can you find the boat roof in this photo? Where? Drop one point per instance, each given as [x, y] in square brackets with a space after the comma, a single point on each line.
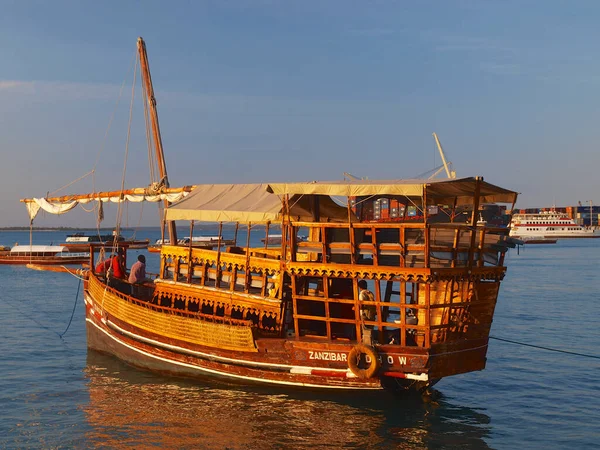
[248, 203]
[38, 249]
[261, 202]
[438, 191]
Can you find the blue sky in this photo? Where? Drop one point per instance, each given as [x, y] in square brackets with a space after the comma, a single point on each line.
[252, 91]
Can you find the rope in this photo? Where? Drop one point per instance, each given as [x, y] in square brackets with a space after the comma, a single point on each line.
[72, 312]
[99, 203]
[133, 60]
[545, 348]
[120, 207]
[101, 149]
[72, 182]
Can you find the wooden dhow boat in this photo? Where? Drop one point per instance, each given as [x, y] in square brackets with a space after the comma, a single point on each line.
[293, 315]
[357, 305]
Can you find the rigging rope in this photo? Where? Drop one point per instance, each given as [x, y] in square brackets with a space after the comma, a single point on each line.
[99, 203]
[72, 182]
[120, 204]
[546, 348]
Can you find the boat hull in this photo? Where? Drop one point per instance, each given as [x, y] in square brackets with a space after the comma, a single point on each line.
[85, 246]
[271, 360]
[174, 362]
[41, 260]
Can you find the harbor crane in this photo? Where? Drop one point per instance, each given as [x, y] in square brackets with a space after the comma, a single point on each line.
[446, 165]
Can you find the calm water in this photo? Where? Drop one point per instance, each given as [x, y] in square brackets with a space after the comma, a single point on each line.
[56, 394]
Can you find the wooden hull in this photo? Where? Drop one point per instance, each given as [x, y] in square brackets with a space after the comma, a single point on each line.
[540, 241]
[277, 361]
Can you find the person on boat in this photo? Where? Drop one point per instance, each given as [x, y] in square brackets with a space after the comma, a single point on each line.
[103, 266]
[138, 271]
[137, 275]
[118, 264]
[367, 312]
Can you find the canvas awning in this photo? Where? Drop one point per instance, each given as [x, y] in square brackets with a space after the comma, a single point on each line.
[438, 191]
[249, 203]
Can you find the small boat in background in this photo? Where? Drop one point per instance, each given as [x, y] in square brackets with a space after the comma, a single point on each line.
[275, 239]
[538, 240]
[549, 225]
[206, 242]
[81, 242]
[42, 255]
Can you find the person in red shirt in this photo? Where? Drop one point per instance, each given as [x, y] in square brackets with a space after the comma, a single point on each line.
[118, 265]
[103, 266]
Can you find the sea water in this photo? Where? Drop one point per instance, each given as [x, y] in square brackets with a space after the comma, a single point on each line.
[54, 393]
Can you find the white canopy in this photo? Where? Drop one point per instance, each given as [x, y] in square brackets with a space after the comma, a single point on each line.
[249, 203]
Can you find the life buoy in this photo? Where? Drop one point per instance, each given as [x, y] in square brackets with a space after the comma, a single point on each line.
[357, 360]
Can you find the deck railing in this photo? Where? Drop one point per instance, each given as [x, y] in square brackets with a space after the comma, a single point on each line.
[431, 283]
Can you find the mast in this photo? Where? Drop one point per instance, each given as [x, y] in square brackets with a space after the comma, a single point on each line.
[157, 140]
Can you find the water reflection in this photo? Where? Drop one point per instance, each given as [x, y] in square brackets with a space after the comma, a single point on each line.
[129, 408]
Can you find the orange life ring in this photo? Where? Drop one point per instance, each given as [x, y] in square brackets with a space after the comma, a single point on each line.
[356, 361]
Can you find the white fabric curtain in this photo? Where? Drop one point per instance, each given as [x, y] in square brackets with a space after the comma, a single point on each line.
[60, 208]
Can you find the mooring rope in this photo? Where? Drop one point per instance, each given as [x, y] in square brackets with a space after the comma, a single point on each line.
[545, 348]
[33, 319]
[72, 312]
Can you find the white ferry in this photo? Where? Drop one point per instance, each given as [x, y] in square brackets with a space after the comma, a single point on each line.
[548, 224]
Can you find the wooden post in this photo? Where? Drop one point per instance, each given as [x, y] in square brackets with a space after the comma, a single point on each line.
[237, 225]
[267, 235]
[379, 310]
[357, 318]
[481, 246]
[426, 228]
[218, 274]
[455, 246]
[375, 247]
[295, 307]
[190, 268]
[325, 281]
[478, 181]
[323, 244]
[403, 313]
[351, 234]
[427, 315]
[285, 226]
[247, 266]
[453, 214]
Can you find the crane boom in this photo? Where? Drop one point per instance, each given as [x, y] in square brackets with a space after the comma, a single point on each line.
[447, 164]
